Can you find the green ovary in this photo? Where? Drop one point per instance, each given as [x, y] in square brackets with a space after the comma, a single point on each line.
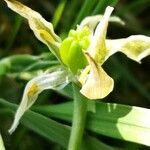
[73, 47]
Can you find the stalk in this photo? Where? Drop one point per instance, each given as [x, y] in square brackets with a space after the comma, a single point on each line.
[79, 118]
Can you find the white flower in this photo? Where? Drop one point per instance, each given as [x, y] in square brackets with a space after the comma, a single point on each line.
[96, 84]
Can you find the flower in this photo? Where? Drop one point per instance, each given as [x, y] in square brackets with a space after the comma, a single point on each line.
[96, 83]
[1, 143]
[81, 54]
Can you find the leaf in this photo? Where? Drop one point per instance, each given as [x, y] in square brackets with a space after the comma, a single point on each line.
[42, 29]
[57, 132]
[101, 5]
[54, 80]
[51, 129]
[97, 84]
[58, 12]
[67, 91]
[135, 47]
[123, 122]
[12, 35]
[84, 11]
[1, 143]
[16, 63]
[25, 62]
[42, 125]
[93, 144]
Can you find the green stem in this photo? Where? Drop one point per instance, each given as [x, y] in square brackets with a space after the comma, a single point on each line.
[79, 118]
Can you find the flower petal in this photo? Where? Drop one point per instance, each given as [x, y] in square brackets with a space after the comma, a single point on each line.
[135, 47]
[1, 143]
[42, 29]
[97, 48]
[54, 80]
[92, 21]
[97, 84]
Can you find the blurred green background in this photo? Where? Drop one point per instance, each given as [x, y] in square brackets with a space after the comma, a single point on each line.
[132, 82]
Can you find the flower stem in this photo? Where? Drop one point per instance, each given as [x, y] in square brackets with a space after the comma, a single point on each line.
[79, 118]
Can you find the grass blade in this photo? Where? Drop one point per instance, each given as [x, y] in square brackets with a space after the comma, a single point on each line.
[42, 125]
[15, 30]
[102, 4]
[58, 13]
[26, 62]
[124, 122]
[86, 8]
[51, 129]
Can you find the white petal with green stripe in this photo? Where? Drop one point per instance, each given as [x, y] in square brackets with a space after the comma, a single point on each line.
[42, 29]
[96, 84]
[1, 143]
[55, 80]
[136, 47]
[92, 21]
[97, 48]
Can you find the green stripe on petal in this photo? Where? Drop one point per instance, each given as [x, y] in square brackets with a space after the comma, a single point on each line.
[55, 80]
[42, 29]
[97, 84]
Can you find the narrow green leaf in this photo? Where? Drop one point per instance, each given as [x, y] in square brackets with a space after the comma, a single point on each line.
[67, 91]
[15, 63]
[102, 4]
[41, 65]
[51, 129]
[42, 125]
[17, 24]
[99, 7]
[86, 8]
[58, 12]
[93, 144]
[124, 122]
[26, 62]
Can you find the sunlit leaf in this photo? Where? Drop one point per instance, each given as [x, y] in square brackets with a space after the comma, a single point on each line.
[123, 122]
[52, 130]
